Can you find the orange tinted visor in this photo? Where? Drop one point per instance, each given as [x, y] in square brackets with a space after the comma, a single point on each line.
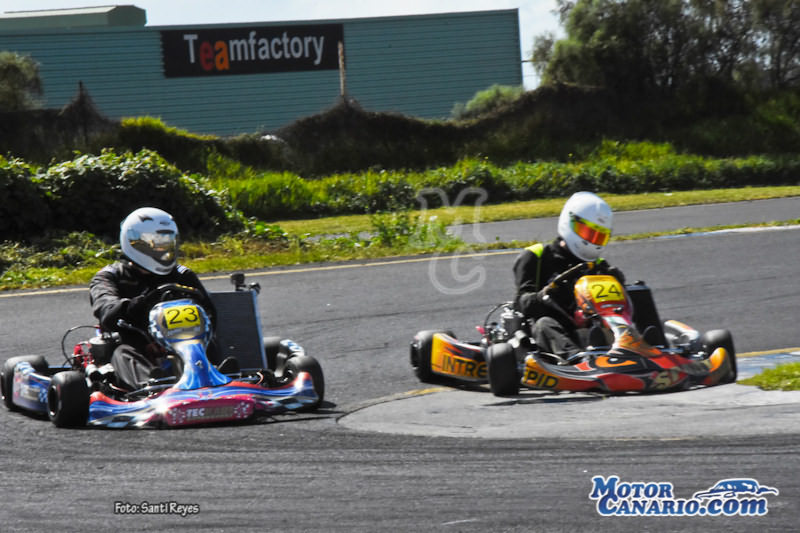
[589, 231]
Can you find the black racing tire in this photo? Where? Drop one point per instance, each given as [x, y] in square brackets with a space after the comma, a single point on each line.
[38, 362]
[272, 347]
[68, 399]
[420, 354]
[306, 363]
[721, 338]
[501, 366]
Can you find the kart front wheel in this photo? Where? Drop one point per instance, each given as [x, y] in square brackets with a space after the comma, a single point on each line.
[501, 364]
[38, 363]
[68, 399]
[306, 363]
[721, 338]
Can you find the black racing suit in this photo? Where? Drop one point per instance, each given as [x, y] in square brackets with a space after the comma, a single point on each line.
[118, 291]
[533, 269]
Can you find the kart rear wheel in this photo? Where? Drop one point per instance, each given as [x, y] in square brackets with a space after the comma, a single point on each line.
[68, 399]
[272, 346]
[501, 365]
[721, 338]
[306, 363]
[39, 364]
[420, 354]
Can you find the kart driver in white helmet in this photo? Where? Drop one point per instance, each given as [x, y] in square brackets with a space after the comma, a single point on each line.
[584, 229]
[124, 291]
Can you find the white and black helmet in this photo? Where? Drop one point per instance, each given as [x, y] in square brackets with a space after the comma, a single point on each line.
[585, 225]
[149, 238]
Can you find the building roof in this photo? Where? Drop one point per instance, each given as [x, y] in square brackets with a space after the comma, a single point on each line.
[104, 16]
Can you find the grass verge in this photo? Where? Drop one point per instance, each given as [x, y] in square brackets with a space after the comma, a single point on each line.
[73, 261]
[782, 377]
[466, 214]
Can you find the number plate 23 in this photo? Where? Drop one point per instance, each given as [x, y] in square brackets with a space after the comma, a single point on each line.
[182, 316]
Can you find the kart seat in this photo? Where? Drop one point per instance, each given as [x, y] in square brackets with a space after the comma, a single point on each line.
[645, 315]
[238, 331]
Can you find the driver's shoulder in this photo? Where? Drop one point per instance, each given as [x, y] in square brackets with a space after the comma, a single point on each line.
[185, 275]
[117, 269]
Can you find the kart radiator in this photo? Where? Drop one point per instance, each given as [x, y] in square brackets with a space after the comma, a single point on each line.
[239, 329]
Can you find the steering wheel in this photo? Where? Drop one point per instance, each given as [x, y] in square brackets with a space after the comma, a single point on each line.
[570, 274]
[174, 291]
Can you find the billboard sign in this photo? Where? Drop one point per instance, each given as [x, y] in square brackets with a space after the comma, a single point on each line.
[250, 50]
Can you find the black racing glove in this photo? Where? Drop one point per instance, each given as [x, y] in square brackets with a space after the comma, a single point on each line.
[140, 305]
[544, 294]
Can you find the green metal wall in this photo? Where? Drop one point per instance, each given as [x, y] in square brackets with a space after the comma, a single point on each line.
[415, 65]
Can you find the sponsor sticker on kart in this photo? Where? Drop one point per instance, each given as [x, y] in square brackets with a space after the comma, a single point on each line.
[181, 415]
[448, 359]
[727, 497]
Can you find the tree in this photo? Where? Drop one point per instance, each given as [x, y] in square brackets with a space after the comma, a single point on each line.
[20, 84]
[777, 26]
[664, 47]
[633, 46]
[723, 39]
[542, 52]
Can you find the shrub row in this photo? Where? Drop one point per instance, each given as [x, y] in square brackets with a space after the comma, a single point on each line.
[93, 193]
[547, 123]
[612, 168]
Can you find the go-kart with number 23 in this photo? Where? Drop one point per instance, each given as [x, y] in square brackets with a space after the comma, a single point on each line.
[193, 391]
[633, 351]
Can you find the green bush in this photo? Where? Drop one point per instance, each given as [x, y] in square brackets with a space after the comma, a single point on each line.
[368, 192]
[271, 195]
[401, 230]
[183, 149]
[94, 193]
[466, 174]
[23, 210]
[260, 151]
[487, 101]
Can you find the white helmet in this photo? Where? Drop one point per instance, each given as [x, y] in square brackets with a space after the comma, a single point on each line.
[585, 225]
[149, 238]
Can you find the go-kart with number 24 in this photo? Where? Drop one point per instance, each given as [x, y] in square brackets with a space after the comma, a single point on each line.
[632, 350]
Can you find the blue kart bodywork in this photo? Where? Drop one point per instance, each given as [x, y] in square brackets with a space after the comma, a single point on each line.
[198, 392]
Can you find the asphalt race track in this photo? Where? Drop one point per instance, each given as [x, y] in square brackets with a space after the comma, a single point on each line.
[389, 454]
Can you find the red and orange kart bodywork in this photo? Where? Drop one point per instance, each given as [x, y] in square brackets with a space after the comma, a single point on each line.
[507, 358]
[623, 370]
